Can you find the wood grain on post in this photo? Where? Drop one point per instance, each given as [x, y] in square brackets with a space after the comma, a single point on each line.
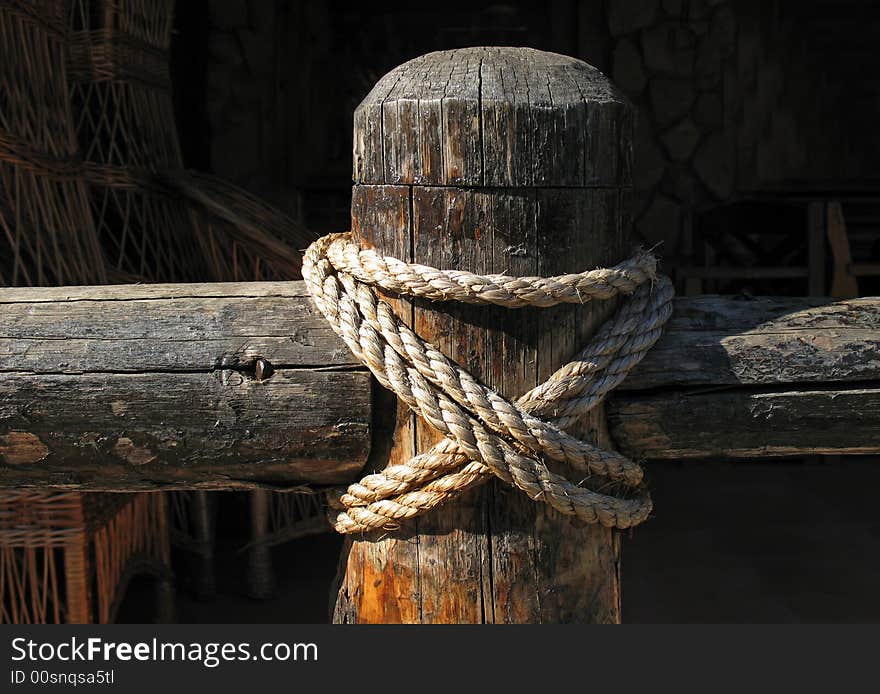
[491, 160]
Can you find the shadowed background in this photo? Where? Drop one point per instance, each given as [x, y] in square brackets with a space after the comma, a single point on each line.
[748, 112]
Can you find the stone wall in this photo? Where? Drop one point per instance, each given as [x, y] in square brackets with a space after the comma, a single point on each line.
[732, 95]
[711, 123]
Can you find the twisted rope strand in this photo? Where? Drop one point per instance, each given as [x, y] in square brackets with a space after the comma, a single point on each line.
[485, 433]
[426, 282]
[491, 409]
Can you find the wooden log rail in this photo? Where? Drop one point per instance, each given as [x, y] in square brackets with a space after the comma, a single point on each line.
[485, 160]
[150, 387]
[738, 377]
[211, 386]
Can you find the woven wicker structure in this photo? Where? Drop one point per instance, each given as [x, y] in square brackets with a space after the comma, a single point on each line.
[68, 557]
[46, 236]
[63, 556]
[158, 222]
[120, 91]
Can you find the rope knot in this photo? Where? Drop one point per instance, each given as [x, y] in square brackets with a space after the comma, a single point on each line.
[486, 434]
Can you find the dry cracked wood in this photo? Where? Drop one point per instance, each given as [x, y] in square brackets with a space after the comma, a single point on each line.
[491, 160]
[139, 387]
[755, 377]
[151, 386]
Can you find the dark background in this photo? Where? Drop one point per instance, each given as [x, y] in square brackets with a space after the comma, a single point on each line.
[741, 103]
[748, 110]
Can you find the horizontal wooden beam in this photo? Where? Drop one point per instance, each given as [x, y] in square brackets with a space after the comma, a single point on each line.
[738, 377]
[738, 424]
[157, 386]
[139, 387]
[757, 341]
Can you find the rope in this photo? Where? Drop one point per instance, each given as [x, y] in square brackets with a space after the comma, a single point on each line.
[485, 433]
[503, 290]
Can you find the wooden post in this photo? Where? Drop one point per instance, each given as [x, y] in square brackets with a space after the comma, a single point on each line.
[844, 284]
[203, 560]
[261, 580]
[162, 392]
[816, 248]
[491, 160]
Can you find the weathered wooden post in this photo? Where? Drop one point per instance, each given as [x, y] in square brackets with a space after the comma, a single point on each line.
[261, 581]
[491, 160]
[162, 392]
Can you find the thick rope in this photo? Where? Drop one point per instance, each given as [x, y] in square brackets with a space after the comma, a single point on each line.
[485, 433]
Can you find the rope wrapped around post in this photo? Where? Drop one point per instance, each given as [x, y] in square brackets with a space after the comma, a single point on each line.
[485, 433]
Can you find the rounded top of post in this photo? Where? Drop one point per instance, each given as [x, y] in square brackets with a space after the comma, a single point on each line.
[494, 116]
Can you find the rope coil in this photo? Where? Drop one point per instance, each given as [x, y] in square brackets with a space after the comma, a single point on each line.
[485, 433]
